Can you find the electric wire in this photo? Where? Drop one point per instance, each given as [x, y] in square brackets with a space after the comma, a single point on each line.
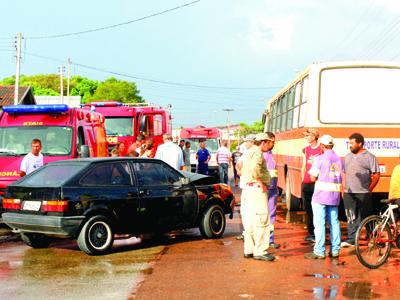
[114, 25]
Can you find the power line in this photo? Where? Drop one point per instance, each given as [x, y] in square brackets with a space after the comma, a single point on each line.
[154, 80]
[114, 25]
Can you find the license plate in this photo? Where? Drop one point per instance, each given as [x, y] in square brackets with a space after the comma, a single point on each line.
[31, 205]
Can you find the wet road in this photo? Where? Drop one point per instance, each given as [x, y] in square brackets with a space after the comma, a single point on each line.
[64, 272]
[184, 266]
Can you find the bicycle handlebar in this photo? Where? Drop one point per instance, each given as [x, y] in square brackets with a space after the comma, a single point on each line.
[388, 200]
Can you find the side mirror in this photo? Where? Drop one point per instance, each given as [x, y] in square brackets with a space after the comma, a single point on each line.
[183, 180]
[85, 151]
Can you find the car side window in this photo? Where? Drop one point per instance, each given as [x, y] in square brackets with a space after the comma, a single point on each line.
[116, 173]
[149, 173]
[171, 175]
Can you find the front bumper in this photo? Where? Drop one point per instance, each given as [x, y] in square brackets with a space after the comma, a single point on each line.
[51, 225]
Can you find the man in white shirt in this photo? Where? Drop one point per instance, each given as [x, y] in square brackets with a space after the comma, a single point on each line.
[223, 160]
[33, 160]
[170, 153]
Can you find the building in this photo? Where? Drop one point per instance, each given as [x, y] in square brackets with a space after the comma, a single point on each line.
[71, 101]
[25, 95]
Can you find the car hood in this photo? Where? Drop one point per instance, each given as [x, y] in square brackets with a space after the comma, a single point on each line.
[199, 179]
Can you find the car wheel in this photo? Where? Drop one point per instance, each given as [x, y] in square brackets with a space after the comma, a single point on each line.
[35, 240]
[96, 236]
[213, 222]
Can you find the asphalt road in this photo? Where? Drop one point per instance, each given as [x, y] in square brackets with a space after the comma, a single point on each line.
[182, 265]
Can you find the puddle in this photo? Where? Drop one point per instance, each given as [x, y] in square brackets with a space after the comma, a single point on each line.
[320, 275]
[359, 290]
[329, 292]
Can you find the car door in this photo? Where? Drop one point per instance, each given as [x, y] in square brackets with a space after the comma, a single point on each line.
[183, 200]
[110, 185]
[156, 208]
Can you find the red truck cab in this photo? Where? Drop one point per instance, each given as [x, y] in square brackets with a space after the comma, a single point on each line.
[65, 133]
[125, 122]
[211, 137]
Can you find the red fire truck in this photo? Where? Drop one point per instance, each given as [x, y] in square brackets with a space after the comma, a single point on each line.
[124, 122]
[211, 137]
[64, 132]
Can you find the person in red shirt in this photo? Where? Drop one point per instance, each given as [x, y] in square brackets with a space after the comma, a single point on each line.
[307, 187]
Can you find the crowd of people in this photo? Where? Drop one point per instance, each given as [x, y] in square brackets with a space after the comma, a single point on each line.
[326, 180]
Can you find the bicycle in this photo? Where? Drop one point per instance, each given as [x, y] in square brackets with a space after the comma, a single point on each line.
[375, 237]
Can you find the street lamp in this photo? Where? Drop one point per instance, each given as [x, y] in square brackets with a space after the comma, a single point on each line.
[228, 110]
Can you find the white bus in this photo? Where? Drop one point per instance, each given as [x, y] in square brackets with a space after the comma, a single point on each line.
[337, 98]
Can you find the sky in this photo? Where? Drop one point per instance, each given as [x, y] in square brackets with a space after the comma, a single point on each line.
[200, 57]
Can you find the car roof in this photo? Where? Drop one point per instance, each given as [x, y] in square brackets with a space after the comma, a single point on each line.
[99, 160]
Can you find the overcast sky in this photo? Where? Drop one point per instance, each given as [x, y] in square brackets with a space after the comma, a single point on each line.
[204, 57]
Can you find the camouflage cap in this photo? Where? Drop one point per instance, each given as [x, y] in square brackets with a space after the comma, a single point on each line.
[263, 137]
[249, 138]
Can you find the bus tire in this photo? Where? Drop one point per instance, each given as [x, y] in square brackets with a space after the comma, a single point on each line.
[292, 203]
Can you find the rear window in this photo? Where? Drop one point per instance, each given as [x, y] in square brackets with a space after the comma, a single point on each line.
[51, 175]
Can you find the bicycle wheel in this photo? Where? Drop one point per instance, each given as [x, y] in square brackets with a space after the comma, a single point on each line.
[373, 242]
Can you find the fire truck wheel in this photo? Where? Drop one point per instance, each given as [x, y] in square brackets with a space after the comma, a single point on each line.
[35, 240]
[96, 236]
[212, 224]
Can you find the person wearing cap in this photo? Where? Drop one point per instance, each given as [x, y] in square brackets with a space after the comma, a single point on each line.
[248, 142]
[234, 159]
[310, 152]
[362, 174]
[326, 172]
[256, 223]
[273, 187]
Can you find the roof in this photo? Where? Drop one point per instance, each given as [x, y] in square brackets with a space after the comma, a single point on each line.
[25, 95]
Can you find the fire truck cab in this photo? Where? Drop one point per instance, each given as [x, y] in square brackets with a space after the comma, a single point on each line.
[125, 122]
[64, 132]
[212, 139]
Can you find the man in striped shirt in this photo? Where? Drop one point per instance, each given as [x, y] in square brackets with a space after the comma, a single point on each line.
[223, 160]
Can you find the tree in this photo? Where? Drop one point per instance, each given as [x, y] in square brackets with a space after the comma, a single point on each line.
[256, 127]
[88, 89]
[118, 90]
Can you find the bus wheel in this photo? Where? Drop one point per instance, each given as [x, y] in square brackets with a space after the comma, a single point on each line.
[292, 203]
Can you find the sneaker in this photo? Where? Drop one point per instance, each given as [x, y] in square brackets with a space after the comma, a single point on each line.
[248, 255]
[312, 255]
[346, 244]
[240, 237]
[265, 257]
[274, 245]
[310, 238]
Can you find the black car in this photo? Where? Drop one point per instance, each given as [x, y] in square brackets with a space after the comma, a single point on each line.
[93, 199]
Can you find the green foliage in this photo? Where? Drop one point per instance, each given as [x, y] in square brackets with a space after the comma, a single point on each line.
[119, 90]
[256, 127]
[88, 89]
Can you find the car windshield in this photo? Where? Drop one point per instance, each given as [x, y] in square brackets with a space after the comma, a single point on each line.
[119, 126]
[51, 175]
[56, 140]
[211, 144]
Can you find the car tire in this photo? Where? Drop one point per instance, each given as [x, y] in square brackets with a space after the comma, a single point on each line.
[35, 240]
[96, 236]
[213, 222]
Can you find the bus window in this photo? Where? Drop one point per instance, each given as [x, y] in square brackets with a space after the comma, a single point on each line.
[278, 114]
[284, 111]
[297, 97]
[289, 117]
[304, 94]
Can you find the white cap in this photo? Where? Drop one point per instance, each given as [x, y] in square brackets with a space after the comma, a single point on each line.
[326, 139]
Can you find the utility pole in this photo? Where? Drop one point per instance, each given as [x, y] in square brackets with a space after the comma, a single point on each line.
[228, 110]
[16, 86]
[61, 70]
[69, 79]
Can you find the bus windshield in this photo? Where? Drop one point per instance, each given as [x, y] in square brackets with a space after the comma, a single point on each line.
[211, 144]
[364, 95]
[56, 141]
[119, 126]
